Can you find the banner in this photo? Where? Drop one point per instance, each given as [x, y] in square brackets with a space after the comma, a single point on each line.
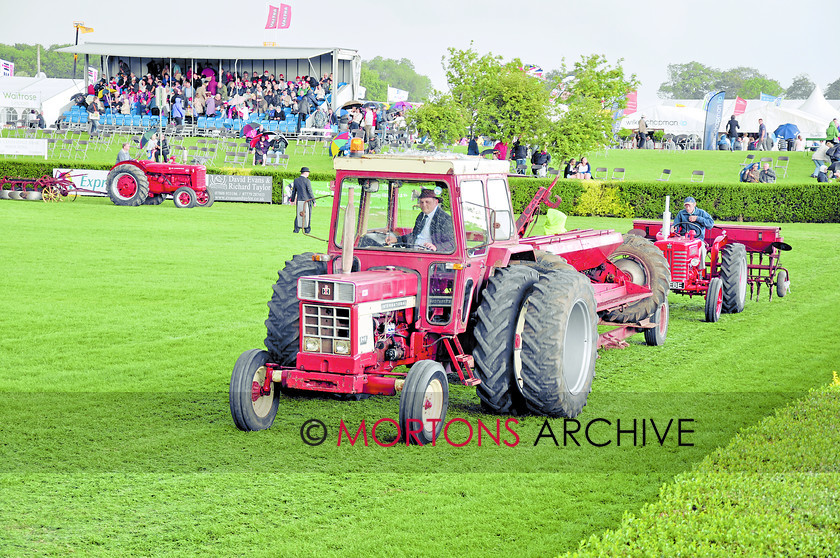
[714, 115]
[740, 106]
[20, 100]
[7, 69]
[20, 146]
[93, 74]
[395, 95]
[632, 102]
[279, 17]
[770, 99]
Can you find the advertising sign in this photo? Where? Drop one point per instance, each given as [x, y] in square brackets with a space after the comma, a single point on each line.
[20, 146]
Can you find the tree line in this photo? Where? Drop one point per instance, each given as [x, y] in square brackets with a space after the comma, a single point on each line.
[693, 80]
[54, 64]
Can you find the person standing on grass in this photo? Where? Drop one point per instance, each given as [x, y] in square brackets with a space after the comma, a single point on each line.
[304, 199]
[762, 136]
[732, 132]
[123, 154]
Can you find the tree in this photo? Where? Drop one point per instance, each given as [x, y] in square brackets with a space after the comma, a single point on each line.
[832, 90]
[689, 81]
[472, 80]
[402, 75]
[54, 64]
[732, 80]
[801, 88]
[754, 87]
[375, 88]
[441, 118]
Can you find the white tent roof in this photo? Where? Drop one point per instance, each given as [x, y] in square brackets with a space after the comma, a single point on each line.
[818, 106]
[47, 87]
[209, 52]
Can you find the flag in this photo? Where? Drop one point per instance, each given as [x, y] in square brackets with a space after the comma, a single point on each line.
[279, 17]
[740, 106]
[533, 70]
[632, 102]
[84, 29]
[7, 69]
[93, 74]
[395, 95]
[714, 115]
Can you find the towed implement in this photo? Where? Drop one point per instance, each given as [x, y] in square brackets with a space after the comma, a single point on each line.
[468, 294]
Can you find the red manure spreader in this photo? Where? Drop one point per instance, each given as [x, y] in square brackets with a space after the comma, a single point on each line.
[463, 290]
[738, 256]
[138, 182]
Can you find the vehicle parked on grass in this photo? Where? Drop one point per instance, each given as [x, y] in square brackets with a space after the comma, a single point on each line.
[722, 278]
[140, 182]
[515, 316]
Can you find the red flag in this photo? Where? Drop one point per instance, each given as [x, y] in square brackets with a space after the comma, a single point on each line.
[632, 102]
[740, 106]
[279, 18]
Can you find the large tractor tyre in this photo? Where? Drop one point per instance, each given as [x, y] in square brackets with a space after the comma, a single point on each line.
[714, 300]
[184, 198]
[733, 274]
[782, 283]
[559, 343]
[205, 197]
[495, 338]
[424, 396]
[647, 266]
[545, 262]
[127, 185]
[250, 407]
[283, 323]
[155, 199]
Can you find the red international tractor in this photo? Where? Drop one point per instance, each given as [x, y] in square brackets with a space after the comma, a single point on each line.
[722, 278]
[148, 183]
[515, 316]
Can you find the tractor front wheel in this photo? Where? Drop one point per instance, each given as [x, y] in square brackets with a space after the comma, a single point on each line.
[497, 339]
[251, 406]
[184, 197]
[655, 336]
[559, 343]
[127, 185]
[714, 300]
[646, 266]
[733, 274]
[205, 197]
[423, 402]
[782, 283]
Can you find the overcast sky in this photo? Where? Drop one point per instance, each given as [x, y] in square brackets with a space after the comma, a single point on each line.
[778, 38]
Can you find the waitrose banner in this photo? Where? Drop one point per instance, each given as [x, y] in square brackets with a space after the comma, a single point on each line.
[16, 99]
[225, 187]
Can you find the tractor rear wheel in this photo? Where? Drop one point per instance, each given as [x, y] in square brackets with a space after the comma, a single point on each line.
[425, 396]
[782, 283]
[733, 274]
[127, 185]
[496, 338]
[205, 197]
[546, 261]
[283, 323]
[647, 266]
[184, 198]
[250, 407]
[714, 300]
[155, 199]
[559, 343]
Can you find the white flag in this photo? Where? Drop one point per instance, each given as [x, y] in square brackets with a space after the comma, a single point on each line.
[396, 95]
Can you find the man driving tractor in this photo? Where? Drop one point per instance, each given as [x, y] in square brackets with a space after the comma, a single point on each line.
[692, 218]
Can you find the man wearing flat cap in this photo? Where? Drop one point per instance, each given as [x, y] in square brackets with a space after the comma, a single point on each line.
[692, 218]
[304, 198]
[433, 228]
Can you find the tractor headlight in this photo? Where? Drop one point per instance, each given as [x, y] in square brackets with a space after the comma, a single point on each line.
[312, 344]
[694, 262]
[341, 347]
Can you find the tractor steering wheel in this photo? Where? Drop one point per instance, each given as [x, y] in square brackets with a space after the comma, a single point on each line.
[684, 226]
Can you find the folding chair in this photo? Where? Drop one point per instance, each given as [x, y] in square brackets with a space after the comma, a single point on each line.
[749, 160]
[784, 167]
[617, 173]
[665, 176]
[697, 176]
[600, 173]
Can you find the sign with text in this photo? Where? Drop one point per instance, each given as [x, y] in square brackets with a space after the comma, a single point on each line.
[87, 180]
[240, 188]
[18, 99]
[20, 146]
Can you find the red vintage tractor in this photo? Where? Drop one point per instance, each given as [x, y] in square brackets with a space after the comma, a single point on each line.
[722, 278]
[139, 182]
[515, 316]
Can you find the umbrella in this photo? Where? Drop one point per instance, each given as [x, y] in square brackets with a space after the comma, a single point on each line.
[351, 104]
[256, 139]
[369, 104]
[147, 135]
[787, 131]
[250, 131]
[75, 97]
[338, 143]
[208, 72]
[402, 105]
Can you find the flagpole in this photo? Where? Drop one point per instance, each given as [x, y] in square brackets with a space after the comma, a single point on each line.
[76, 24]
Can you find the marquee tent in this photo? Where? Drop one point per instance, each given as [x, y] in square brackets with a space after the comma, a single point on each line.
[19, 95]
[818, 106]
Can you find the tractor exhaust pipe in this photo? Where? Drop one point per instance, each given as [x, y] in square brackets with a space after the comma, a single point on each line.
[665, 231]
[348, 235]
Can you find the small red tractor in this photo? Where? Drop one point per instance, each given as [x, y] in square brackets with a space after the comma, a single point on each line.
[724, 276]
[138, 182]
[513, 315]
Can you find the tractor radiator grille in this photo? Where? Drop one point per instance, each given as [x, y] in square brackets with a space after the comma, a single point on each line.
[679, 265]
[327, 324]
[328, 291]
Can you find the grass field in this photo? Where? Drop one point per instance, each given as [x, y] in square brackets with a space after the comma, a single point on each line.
[721, 167]
[119, 330]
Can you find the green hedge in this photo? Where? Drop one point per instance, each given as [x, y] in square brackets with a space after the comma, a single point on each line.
[789, 203]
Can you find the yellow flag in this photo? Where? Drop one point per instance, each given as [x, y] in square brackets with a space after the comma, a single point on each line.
[84, 29]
